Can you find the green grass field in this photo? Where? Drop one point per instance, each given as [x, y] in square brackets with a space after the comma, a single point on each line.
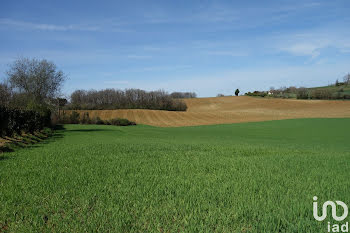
[250, 177]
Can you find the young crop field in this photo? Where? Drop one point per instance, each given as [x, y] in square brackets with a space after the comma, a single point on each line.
[247, 177]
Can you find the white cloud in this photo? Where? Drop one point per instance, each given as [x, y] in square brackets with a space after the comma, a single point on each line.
[313, 42]
[304, 49]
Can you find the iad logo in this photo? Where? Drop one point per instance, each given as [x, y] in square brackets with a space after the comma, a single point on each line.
[335, 227]
[334, 210]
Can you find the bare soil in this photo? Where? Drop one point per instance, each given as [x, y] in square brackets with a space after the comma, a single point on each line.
[224, 110]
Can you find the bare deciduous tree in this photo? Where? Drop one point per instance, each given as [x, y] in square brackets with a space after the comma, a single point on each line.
[302, 93]
[347, 79]
[38, 80]
[183, 95]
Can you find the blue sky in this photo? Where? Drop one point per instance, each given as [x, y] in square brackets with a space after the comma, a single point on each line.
[209, 47]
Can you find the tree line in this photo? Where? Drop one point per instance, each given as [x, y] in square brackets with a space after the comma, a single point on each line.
[126, 99]
[183, 95]
[303, 93]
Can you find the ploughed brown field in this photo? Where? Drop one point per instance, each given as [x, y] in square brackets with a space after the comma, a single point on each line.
[224, 110]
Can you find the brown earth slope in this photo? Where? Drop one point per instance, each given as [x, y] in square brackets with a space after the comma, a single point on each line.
[223, 110]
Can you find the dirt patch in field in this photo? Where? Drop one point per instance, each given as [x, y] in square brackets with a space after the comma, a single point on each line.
[224, 110]
[2, 142]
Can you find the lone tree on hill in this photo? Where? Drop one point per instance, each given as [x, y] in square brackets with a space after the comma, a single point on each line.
[237, 92]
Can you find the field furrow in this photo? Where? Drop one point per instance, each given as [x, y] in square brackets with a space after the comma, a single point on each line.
[224, 110]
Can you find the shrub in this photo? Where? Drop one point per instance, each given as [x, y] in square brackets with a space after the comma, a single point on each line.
[302, 93]
[63, 118]
[257, 93]
[321, 94]
[337, 95]
[121, 122]
[347, 96]
[74, 118]
[97, 121]
[85, 119]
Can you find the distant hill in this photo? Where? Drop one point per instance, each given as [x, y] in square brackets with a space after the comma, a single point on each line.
[339, 91]
[333, 88]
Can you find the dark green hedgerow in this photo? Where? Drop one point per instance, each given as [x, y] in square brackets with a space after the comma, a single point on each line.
[84, 118]
[17, 121]
[121, 122]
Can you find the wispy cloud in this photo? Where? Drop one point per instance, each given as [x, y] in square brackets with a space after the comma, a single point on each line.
[117, 82]
[304, 49]
[313, 43]
[223, 15]
[45, 27]
[226, 15]
[138, 56]
[227, 53]
[158, 68]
